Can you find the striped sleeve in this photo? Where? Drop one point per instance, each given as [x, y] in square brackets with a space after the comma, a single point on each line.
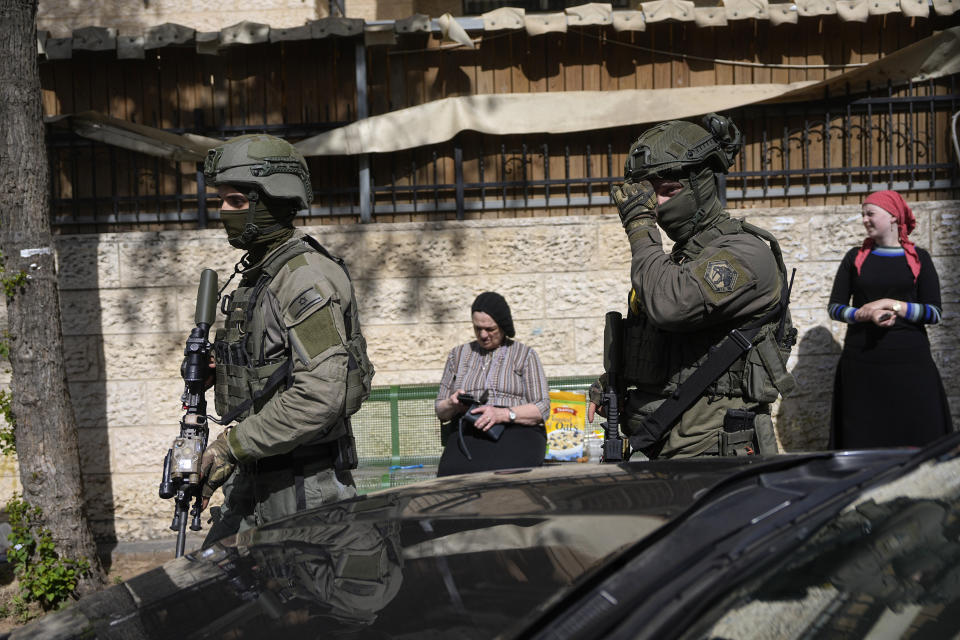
[841, 312]
[919, 313]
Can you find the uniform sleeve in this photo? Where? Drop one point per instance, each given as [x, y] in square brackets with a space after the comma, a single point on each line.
[839, 305]
[535, 388]
[735, 278]
[311, 410]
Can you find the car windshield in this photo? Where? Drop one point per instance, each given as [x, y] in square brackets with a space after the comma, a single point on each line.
[887, 566]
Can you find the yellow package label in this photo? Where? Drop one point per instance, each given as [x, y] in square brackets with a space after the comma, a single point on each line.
[565, 425]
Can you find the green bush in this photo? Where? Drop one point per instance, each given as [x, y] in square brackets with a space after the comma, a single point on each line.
[44, 577]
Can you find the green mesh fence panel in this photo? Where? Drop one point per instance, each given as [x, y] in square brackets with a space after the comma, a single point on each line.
[398, 434]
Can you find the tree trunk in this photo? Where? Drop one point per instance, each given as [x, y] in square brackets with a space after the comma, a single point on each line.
[46, 429]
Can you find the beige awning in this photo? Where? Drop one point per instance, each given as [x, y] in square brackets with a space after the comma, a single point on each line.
[552, 112]
[573, 111]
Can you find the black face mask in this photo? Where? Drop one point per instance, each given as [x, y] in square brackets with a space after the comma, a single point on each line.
[259, 229]
[695, 207]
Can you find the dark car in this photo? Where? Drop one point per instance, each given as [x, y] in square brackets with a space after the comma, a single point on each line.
[835, 544]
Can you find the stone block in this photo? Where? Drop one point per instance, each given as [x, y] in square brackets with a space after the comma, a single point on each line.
[541, 249]
[613, 248]
[83, 358]
[791, 232]
[161, 401]
[144, 310]
[450, 299]
[417, 347]
[588, 341]
[817, 335]
[125, 449]
[945, 335]
[164, 259]
[142, 356]
[404, 253]
[814, 374]
[803, 423]
[87, 262]
[387, 300]
[812, 284]
[586, 294]
[114, 403]
[945, 223]
[948, 271]
[553, 340]
[831, 235]
[350, 246]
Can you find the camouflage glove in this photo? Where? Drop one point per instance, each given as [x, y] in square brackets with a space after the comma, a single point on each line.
[636, 202]
[217, 464]
[595, 394]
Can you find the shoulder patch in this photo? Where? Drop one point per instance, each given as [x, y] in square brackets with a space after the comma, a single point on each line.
[296, 262]
[721, 276]
[306, 299]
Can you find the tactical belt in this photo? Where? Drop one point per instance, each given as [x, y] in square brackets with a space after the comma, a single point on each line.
[300, 457]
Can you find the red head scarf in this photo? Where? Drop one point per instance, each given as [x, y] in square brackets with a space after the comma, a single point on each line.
[894, 204]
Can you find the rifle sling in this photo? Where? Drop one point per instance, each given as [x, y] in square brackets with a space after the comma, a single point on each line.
[651, 430]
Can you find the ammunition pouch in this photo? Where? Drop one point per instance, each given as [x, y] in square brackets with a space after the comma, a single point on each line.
[746, 433]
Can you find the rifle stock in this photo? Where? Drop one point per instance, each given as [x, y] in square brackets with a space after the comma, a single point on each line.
[612, 365]
[181, 466]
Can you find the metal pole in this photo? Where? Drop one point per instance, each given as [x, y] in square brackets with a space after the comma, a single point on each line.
[360, 52]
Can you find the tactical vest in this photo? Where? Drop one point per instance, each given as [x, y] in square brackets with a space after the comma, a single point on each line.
[658, 361]
[246, 378]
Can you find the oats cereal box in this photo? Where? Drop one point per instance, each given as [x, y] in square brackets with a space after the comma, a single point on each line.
[565, 425]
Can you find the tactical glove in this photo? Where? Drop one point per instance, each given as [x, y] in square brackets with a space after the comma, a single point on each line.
[636, 202]
[217, 464]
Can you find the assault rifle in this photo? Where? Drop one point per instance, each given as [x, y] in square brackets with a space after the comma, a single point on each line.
[612, 365]
[181, 466]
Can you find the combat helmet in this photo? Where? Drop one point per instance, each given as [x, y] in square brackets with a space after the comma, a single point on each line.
[671, 149]
[262, 162]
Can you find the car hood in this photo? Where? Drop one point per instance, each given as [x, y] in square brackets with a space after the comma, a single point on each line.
[474, 556]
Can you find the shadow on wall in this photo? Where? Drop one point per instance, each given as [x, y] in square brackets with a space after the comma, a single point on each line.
[803, 419]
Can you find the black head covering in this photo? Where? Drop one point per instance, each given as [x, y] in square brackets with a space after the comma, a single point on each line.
[496, 307]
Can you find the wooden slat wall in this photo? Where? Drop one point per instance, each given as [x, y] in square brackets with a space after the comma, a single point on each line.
[313, 83]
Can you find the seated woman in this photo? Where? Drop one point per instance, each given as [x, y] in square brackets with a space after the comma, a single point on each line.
[517, 396]
[887, 391]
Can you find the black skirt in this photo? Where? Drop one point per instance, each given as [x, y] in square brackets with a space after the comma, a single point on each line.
[519, 446]
[888, 398]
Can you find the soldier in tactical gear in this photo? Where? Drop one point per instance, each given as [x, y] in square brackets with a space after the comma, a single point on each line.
[723, 275]
[291, 363]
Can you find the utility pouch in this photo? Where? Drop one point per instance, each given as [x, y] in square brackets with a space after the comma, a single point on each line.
[738, 437]
[737, 443]
[346, 451]
[738, 420]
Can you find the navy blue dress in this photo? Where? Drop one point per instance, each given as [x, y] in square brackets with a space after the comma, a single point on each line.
[887, 391]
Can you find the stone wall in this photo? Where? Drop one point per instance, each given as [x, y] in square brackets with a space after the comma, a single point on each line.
[128, 303]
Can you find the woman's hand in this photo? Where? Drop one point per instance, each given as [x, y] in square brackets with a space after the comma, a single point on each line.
[868, 312]
[883, 317]
[489, 416]
[450, 407]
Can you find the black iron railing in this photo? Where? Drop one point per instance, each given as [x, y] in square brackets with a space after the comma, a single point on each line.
[896, 138]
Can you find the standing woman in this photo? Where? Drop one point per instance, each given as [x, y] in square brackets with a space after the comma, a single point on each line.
[517, 396]
[887, 391]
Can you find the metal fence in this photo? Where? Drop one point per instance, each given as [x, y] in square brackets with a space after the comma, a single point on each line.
[398, 434]
[890, 137]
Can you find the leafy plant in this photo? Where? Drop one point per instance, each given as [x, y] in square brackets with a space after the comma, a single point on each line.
[44, 576]
[11, 282]
[8, 437]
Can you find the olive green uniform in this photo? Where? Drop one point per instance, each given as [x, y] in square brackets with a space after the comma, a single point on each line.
[304, 331]
[722, 274]
[681, 305]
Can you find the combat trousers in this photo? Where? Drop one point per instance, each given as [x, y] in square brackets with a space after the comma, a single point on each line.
[252, 498]
[697, 433]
